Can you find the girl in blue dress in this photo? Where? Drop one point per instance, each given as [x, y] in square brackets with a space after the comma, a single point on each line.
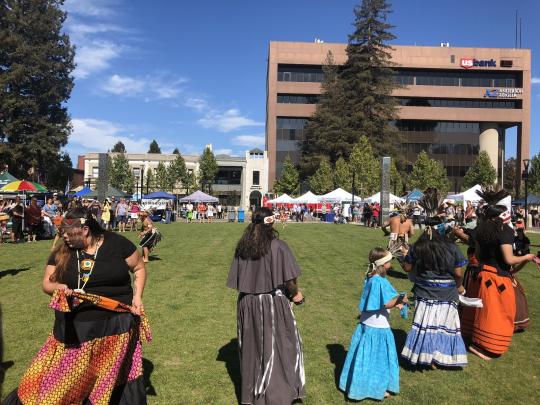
[371, 368]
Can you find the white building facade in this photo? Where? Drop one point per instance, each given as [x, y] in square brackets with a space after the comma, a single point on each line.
[240, 181]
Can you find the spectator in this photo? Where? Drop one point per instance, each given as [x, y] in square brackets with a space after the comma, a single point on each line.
[120, 214]
[114, 203]
[33, 219]
[17, 216]
[50, 212]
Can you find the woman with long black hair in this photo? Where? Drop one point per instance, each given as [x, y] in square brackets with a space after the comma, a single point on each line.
[264, 271]
[494, 323]
[435, 267]
[94, 353]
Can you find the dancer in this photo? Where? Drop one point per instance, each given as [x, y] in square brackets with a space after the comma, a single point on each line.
[264, 271]
[401, 229]
[494, 324]
[149, 235]
[94, 353]
[435, 266]
[371, 368]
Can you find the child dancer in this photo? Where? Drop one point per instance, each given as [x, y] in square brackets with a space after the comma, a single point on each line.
[371, 368]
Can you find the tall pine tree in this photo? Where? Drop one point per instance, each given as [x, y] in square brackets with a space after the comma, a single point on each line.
[177, 171]
[119, 147]
[154, 147]
[36, 60]
[208, 169]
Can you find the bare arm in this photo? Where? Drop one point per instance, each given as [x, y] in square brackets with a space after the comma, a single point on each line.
[292, 288]
[49, 286]
[510, 259]
[400, 299]
[136, 266]
[411, 228]
[458, 276]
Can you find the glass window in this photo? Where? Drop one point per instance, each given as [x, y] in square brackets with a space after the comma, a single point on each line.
[256, 176]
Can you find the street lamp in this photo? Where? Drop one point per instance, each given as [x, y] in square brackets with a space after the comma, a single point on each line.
[525, 177]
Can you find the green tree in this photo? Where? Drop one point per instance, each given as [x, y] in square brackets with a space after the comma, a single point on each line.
[149, 182]
[119, 147]
[208, 169]
[59, 172]
[534, 175]
[190, 182]
[176, 151]
[396, 181]
[510, 175]
[342, 174]
[289, 182]
[326, 123]
[164, 180]
[177, 171]
[428, 173]
[36, 60]
[154, 147]
[321, 182]
[120, 174]
[366, 168]
[481, 172]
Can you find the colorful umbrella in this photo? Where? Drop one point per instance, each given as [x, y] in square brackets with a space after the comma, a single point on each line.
[23, 185]
[40, 188]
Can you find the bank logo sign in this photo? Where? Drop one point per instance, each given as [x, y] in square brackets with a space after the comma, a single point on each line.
[503, 93]
[468, 63]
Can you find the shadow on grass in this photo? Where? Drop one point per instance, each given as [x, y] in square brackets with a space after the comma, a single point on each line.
[229, 355]
[148, 367]
[153, 258]
[13, 272]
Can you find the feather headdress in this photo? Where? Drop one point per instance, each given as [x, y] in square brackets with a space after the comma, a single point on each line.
[492, 197]
[430, 201]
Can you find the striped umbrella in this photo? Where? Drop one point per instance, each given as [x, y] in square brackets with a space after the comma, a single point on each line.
[22, 185]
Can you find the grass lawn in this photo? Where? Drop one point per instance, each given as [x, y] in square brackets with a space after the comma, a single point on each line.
[193, 358]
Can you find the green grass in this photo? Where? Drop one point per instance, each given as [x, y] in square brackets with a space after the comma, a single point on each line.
[193, 318]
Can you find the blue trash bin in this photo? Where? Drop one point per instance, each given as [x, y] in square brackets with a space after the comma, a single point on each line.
[240, 215]
[330, 217]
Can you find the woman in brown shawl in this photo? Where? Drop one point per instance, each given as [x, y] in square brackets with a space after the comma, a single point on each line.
[264, 271]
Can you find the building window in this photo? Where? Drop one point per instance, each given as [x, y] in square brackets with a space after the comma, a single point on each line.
[256, 177]
[300, 73]
[458, 103]
[438, 126]
[136, 172]
[228, 175]
[95, 172]
[297, 98]
[423, 77]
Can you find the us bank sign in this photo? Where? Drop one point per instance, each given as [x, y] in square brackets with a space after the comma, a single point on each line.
[468, 63]
[503, 93]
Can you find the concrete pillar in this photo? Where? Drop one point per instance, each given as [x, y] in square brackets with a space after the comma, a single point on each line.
[489, 142]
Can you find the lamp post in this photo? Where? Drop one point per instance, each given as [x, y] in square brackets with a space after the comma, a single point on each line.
[525, 177]
[352, 202]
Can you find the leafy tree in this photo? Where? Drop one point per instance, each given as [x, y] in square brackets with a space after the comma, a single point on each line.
[36, 60]
[481, 172]
[208, 169]
[164, 180]
[154, 147]
[326, 123]
[59, 172]
[120, 174]
[366, 168]
[321, 182]
[510, 175]
[342, 174]
[190, 182]
[289, 182]
[177, 171]
[428, 173]
[396, 181]
[534, 175]
[176, 151]
[149, 182]
[119, 147]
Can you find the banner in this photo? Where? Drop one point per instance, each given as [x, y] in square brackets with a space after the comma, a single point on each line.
[154, 204]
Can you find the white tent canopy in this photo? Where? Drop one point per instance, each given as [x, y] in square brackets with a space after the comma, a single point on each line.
[338, 195]
[468, 195]
[282, 199]
[375, 198]
[307, 198]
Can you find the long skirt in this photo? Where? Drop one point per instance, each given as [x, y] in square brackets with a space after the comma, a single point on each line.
[521, 320]
[371, 367]
[435, 336]
[104, 366]
[494, 323]
[271, 358]
[468, 314]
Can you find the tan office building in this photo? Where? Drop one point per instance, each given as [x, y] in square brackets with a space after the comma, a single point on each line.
[455, 101]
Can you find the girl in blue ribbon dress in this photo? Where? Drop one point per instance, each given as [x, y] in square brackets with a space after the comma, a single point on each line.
[371, 368]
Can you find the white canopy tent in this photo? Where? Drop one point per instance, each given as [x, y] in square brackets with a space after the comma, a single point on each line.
[338, 196]
[375, 198]
[468, 195]
[307, 198]
[282, 199]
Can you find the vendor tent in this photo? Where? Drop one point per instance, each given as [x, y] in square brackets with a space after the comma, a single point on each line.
[532, 199]
[307, 198]
[199, 196]
[6, 178]
[282, 199]
[338, 196]
[414, 195]
[159, 194]
[82, 192]
[468, 195]
[111, 192]
[375, 198]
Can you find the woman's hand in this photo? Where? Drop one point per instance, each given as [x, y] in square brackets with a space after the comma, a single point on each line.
[298, 298]
[137, 305]
[66, 289]
[461, 290]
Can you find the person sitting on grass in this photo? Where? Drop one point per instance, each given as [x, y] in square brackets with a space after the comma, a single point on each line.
[371, 367]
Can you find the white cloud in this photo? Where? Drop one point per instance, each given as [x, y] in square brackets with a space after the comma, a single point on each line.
[227, 121]
[156, 86]
[535, 80]
[223, 152]
[251, 141]
[198, 104]
[91, 8]
[94, 57]
[100, 135]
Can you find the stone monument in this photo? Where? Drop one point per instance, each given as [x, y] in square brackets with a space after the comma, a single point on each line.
[103, 176]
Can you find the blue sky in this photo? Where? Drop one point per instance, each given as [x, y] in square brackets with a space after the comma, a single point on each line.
[189, 73]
